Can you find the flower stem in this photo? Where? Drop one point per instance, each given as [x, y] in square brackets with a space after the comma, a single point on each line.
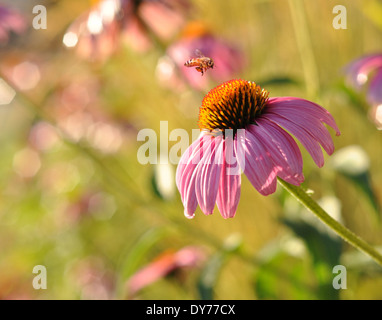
[304, 198]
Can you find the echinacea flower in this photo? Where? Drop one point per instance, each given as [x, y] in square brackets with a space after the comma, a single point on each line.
[242, 127]
[367, 72]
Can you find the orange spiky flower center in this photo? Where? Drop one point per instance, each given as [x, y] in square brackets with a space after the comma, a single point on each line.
[232, 105]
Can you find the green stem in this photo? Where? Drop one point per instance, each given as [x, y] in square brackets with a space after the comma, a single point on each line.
[342, 231]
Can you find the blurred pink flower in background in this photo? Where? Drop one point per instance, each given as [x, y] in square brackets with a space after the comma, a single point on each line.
[365, 73]
[228, 59]
[164, 264]
[97, 33]
[209, 171]
[163, 18]
[10, 21]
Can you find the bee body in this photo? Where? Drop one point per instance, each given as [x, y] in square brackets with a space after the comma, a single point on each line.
[201, 63]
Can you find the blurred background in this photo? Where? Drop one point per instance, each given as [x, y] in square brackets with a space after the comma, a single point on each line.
[78, 86]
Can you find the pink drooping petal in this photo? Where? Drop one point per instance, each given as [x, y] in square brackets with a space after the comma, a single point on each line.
[230, 182]
[303, 119]
[208, 175]
[308, 141]
[374, 94]
[305, 108]
[190, 201]
[257, 164]
[358, 71]
[182, 165]
[310, 124]
[187, 160]
[185, 174]
[283, 149]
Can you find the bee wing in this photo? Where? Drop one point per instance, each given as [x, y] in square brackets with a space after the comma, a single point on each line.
[199, 54]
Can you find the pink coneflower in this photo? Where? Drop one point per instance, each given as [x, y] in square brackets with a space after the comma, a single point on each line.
[258, 140]
[366, 73]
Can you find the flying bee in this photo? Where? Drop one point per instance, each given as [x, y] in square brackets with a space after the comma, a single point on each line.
[201, 63]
